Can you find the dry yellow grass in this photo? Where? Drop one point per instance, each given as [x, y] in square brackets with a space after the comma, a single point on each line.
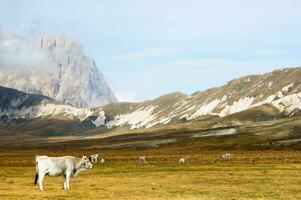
[160, 181]
[251, 174]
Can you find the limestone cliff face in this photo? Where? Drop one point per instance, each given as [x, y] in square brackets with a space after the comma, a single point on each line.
[70, 76]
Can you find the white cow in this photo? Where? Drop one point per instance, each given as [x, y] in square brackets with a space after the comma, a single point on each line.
[225, 156]
[94, 158]
[142, 159]
[68, 166]
[182, 161]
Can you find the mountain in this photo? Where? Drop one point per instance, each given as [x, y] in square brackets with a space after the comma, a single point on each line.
[280, 89]
[16, 105]
[66, 74]
[251, 98]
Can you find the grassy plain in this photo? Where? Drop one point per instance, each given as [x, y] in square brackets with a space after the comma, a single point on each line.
[256, 174]
[160, 181]
[265, 164]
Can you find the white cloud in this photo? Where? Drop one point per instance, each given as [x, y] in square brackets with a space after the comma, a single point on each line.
[268, 52]
[17, 53]
[145, 54]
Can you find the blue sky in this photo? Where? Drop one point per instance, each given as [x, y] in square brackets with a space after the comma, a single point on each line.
[148, 48]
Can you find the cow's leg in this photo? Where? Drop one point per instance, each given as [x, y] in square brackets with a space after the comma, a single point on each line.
[68, 181]
[65, 182]
[41, 178]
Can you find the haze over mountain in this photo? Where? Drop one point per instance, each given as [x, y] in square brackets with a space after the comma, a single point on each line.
[54, 66]
[279, 90]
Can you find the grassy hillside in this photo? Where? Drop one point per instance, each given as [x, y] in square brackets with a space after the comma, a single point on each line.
[264, 112]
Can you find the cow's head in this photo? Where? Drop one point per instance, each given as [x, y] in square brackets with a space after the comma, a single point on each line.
[86, 162]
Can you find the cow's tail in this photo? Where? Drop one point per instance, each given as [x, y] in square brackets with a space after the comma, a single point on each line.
[36, 178]
[37, 170]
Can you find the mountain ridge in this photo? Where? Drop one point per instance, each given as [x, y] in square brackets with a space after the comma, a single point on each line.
[280, 89]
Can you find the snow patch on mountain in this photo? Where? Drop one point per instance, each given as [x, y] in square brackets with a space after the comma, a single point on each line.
[287, 87]
[279, 94]
[205, 109]
[47, 110]
[137, 119]
[164, 120]
[100, 120]
[237, 106]
[288, 103]
[268, 100]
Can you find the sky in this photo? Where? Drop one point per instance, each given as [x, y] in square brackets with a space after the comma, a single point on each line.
[147, 48]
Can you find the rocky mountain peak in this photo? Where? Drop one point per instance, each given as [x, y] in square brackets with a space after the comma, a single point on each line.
[72, 77]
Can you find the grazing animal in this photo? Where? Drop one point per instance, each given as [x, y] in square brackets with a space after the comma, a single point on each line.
[93, 158]
[102, 161]
[142, 159]
[68, 166]
[225, 156]
[182, 161]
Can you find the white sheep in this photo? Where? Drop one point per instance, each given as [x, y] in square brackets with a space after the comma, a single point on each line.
[142, 159]
[182, 161]
[225, 157]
